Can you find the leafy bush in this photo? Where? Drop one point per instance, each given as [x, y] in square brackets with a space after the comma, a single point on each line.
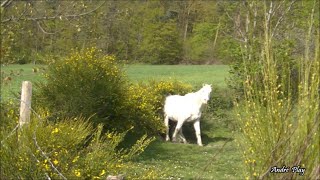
[280, 122]
[86, 83]
[219, 106]
[9, 117]
[92, 85]
[70, 149]
[145, 101]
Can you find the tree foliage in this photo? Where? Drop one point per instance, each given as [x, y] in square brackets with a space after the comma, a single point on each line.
[156, 32]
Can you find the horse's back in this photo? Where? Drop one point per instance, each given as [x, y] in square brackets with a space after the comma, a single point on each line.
[179, 107]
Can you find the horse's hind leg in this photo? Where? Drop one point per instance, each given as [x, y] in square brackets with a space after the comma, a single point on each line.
[177, 130]
[166, 123]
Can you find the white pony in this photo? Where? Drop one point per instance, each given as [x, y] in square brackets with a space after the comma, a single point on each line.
[186, 108]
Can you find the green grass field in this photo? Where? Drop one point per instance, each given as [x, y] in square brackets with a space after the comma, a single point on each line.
[195, 74]
[18, 73]
[218, 159]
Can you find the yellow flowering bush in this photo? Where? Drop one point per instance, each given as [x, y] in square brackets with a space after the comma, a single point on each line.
[144, 103]
[84, 83]
[90, 84]
[279, 122]
[9, 115]
[71, 148]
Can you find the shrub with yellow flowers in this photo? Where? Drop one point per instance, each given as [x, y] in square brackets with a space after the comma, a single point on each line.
[90, 84]
[144, 103]
[85, 83]
[279, 119]
[9, 116]
[69, 149]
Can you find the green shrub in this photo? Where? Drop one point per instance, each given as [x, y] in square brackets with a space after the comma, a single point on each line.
[280, 122]
[144, 103]
[86, 83]
[92, 85]
[9, 117]
[219, 106]
[70, 149]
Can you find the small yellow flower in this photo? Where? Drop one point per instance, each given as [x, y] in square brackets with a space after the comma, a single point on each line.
[55, 162]
[254, 174]
[102, 172]
[109, 135]
[47, 166]
[55, 130]
[77, 172]
[75, 159]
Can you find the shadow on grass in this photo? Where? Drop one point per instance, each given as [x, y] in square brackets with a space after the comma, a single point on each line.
[162, 150]
[190, 135]
[207, 140]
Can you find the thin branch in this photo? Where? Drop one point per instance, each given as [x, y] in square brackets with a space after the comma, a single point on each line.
[24, 12]
[302, 149]
[10, 134]
[6, 3]
[281, 18]
[41, 28]
[54, 17]
[18, 125]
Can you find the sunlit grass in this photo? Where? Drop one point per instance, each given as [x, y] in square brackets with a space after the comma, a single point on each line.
[193, 74]
[18, 73]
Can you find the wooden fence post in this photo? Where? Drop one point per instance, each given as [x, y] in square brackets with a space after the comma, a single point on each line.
[25, 104]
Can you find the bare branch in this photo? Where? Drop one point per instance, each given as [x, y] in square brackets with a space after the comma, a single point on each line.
[53, 17]
[281, 18]
[41, 28]
[11, 133]
[6, 3]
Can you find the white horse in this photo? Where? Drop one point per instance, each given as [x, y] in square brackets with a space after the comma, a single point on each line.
[186, 108]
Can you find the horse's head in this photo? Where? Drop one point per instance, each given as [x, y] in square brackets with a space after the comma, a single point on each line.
[205, 93]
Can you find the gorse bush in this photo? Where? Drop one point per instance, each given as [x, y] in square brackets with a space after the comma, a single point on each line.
[145, 101]
[69, 149]
[85, 83]
[279, 123]
[92, 85]
[9, 116]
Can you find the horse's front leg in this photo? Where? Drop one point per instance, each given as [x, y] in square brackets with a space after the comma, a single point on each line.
[166, 123]
[177, 130]
[196, 126]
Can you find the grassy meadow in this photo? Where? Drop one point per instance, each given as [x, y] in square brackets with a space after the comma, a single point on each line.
[220, 157]
[192, 74]
[18, 73]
